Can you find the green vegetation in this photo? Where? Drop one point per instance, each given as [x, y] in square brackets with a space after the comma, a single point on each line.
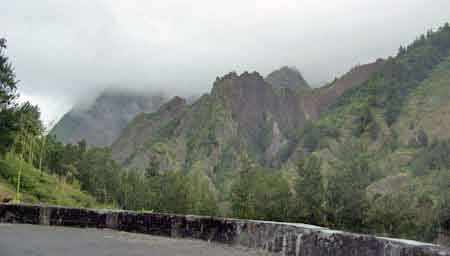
[42, 187]
[354, 165]
[258, 194]
[389, 88]
[22, 146]
[432, 158]
[350, 170]
[312, 134]
[346, 192]
[310, 192]
[200, 192]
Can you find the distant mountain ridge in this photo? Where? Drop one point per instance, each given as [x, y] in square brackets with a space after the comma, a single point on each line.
[101, 123]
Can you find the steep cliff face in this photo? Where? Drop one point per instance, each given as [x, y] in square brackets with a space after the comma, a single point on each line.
[239, 114]
[101, 123]
[255, 105]
[242, 113]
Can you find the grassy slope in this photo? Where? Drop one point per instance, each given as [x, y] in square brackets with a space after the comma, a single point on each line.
[39, 187]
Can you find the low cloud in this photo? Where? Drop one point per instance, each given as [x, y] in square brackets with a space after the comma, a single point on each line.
[65, 51]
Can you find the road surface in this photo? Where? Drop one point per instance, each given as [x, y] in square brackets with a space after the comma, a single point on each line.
[32, 240]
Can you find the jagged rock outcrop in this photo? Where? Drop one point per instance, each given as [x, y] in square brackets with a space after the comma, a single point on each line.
[242, 113]
[288, 77]
[255, 105]
[101, 123]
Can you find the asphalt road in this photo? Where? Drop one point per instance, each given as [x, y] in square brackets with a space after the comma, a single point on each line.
[31, 240]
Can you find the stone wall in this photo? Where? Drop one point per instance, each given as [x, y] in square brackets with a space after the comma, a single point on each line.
[278, 238]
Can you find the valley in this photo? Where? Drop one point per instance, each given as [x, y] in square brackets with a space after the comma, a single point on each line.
[368, 152]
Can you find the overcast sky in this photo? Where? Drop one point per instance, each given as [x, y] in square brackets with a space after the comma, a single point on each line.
[65, 50]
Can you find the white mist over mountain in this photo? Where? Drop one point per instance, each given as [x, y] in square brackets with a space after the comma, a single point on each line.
[66, 51]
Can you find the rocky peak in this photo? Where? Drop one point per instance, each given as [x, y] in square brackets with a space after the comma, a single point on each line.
[254, 105]
[243, 112]
[175, 103]
[238, 86]
[287, 77]
[232, 76]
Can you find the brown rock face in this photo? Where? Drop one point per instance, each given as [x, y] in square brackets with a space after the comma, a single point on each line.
[253, 102]
[243, 112]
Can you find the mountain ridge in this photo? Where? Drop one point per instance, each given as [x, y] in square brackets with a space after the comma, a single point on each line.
[255, 116]
[102, 121]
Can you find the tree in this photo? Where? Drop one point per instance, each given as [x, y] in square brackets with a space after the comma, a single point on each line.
[444, 216]
[173, 192]
[346, 191]
[446, 27]
[401, 50]
[392, 215]
[98, 173]
[13, 120]
[434, 157]
[242, 195]
[82, 148]
[9, 128]
[200, 192]
[29, 128]
[273, 196]
[310, 191]
[133, 193]
[310, 135]
[363, 121]
[153, 168]
[422, 138]
[153, 185]
[8, 80]
[443, 206]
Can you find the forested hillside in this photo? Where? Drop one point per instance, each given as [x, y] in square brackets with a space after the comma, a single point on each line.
[368, 153]
[384, 165]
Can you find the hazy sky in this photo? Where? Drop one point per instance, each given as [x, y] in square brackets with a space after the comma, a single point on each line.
[64, 50]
